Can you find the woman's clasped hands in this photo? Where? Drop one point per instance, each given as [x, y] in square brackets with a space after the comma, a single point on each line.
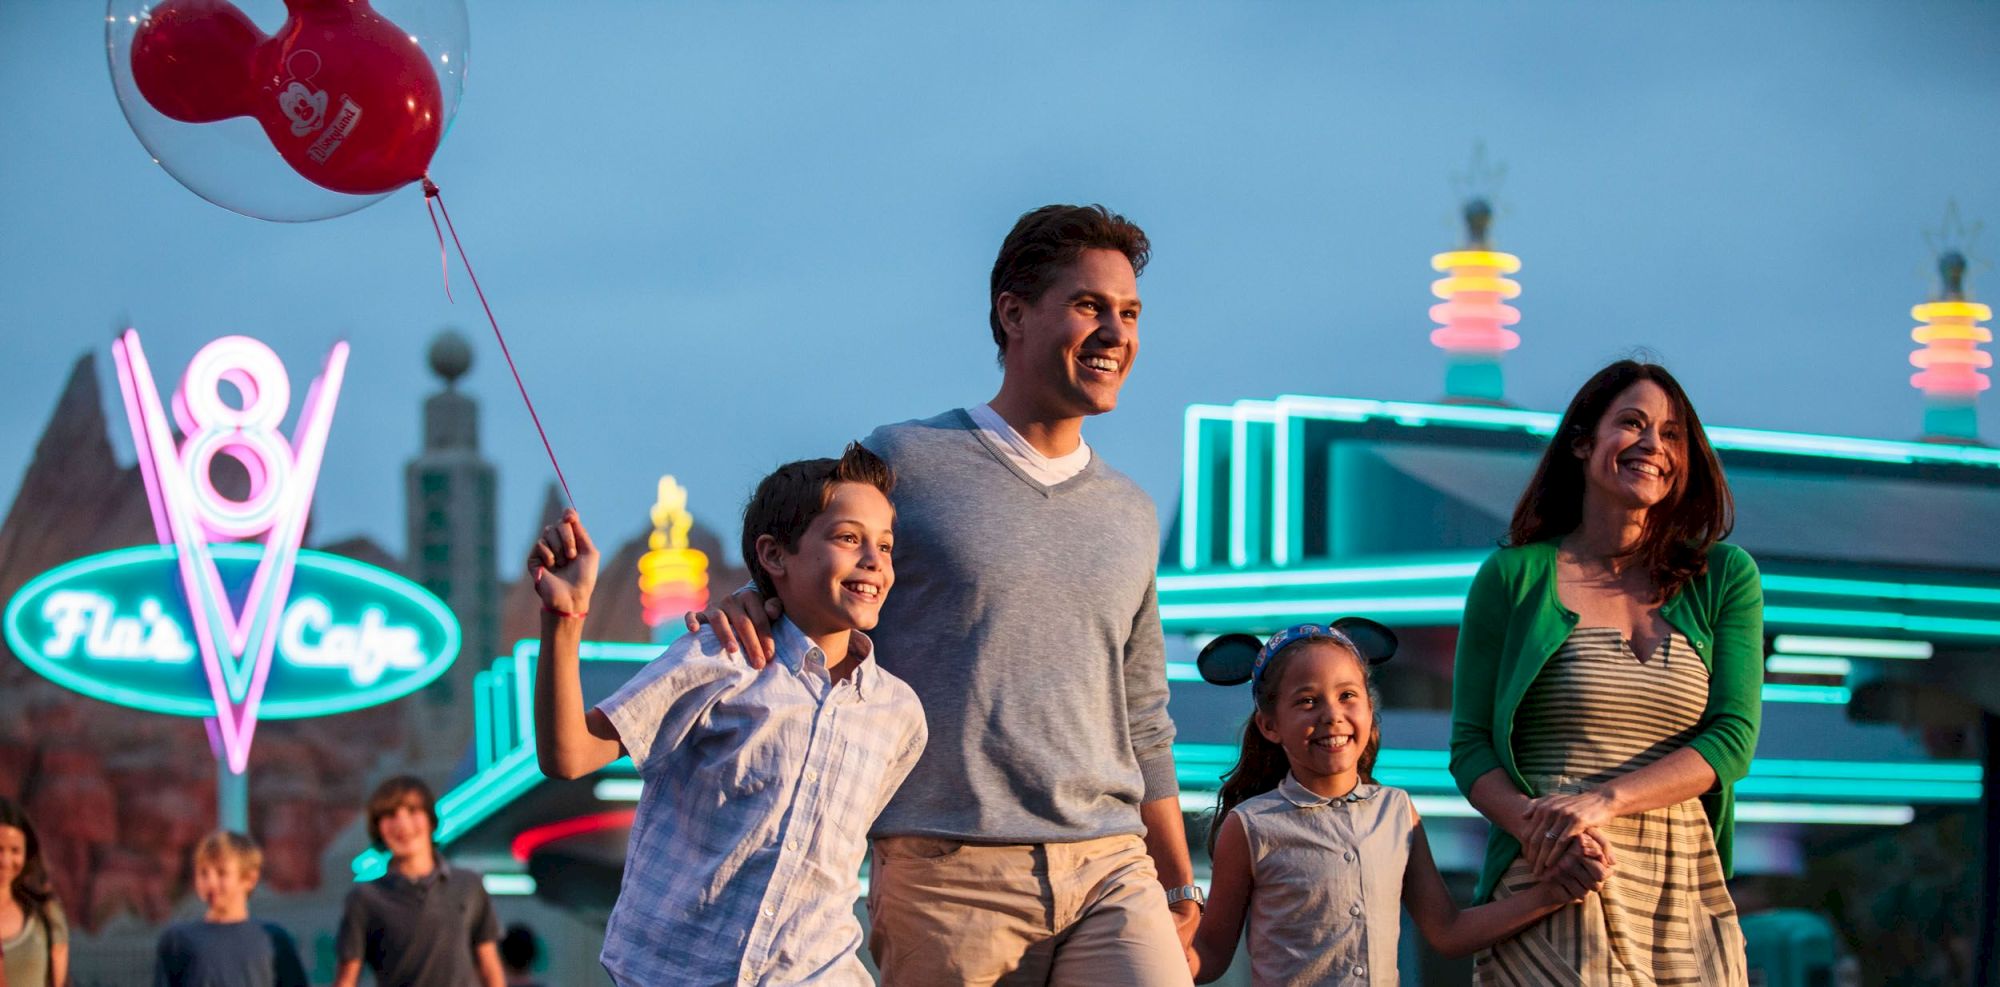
[1562, 840]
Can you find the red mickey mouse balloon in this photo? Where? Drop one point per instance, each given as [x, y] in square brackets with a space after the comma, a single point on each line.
[351, 99]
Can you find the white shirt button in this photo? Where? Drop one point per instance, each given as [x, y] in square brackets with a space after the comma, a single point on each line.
[1360, 971]
[1354, 909]
[792, 845]
[812, 775]
[770, 913]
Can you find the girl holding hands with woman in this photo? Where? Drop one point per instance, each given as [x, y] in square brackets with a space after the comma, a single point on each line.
[1607, 688]
[1318, 859]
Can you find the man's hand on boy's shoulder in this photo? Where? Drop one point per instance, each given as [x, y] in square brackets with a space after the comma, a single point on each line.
[742, 623]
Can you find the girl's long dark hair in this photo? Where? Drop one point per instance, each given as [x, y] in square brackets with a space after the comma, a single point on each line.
[1680, 530]
[1261, 764]
[31, 887]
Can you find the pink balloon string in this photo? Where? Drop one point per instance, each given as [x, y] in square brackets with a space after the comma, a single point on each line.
[431, 192]
[444, 259]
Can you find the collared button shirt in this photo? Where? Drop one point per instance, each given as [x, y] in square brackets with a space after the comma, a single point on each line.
[757, 788]
[419, 932]
[1327, 875]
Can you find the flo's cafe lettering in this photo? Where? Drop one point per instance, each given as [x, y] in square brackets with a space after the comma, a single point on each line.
[90, 625]
[112, 627]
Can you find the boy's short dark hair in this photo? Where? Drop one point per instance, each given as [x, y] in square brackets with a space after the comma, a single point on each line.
[390, 795]
[787, 501]
[1049, 239]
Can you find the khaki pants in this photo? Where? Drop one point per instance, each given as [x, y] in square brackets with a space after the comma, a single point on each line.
[1089, 914]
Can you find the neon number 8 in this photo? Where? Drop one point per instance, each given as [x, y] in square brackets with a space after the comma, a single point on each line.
[248, 434]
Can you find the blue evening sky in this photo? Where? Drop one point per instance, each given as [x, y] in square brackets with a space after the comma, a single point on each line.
[721, 236]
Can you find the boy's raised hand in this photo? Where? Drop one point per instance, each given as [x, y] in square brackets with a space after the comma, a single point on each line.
[563, 564]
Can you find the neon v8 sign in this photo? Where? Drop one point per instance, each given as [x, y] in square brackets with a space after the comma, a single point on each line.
[228, 617]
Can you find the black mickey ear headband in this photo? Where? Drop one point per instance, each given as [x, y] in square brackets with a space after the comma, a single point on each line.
[1234, 659]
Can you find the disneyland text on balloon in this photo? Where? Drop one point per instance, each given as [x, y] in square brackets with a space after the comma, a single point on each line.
[228, 617]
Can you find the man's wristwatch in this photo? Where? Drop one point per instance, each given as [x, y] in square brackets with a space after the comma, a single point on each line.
[1187, 892]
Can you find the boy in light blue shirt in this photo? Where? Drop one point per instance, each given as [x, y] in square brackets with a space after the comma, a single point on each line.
[758, 786]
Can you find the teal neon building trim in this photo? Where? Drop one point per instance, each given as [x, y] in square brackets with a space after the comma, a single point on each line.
[1776, 791]
[1781, 692]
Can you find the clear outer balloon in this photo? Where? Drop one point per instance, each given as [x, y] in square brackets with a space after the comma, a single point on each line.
[289, 110]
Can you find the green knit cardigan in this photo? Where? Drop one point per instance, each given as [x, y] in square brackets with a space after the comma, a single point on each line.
[1514, 622]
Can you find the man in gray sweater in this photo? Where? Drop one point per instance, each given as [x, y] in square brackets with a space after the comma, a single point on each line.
[1039, 839]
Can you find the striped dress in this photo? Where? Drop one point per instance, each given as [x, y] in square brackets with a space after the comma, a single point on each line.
[1664, 917]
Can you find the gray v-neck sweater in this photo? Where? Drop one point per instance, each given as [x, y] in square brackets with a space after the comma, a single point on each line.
[1025, 618]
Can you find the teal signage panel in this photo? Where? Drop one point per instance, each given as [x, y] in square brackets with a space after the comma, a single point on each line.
[116, 626]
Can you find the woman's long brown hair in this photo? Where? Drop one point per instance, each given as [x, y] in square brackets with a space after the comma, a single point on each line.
[31, 888]
[1679, 530]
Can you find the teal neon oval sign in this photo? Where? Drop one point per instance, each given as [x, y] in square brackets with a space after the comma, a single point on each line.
[115, 627]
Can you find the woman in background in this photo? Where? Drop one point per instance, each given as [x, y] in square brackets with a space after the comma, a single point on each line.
[34, 935]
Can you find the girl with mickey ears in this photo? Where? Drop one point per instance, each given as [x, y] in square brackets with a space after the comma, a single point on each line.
[1315, 855]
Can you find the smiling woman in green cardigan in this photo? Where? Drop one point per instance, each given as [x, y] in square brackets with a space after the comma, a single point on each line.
[1606, 694]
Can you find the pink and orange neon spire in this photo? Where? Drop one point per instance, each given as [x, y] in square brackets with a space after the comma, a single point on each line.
[673, 578]
[1473, 315]
[1949, 364]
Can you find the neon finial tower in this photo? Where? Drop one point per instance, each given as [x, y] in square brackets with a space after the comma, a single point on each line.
[1949, 363]
[1473, 314]
[673, 578]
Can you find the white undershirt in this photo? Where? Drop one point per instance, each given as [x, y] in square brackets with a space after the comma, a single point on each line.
[1046, 470]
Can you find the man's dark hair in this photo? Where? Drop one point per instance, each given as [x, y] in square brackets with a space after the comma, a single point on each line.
[391, 795]
[787, 501]
[1049, 239]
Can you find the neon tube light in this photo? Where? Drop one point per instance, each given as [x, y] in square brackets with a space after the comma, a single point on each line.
[1832, 695]
[1468, 566]
[617, 790]
[1852, 647]
[1405, 605]
[1787, 664]
[1927, 592]
[530, 840]
[1191, 520]
[1882, 620]
[1242, 415]
[1960, 771]
[1543, 423]
[1325, 576]
[1825, 813]
[508, 884]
